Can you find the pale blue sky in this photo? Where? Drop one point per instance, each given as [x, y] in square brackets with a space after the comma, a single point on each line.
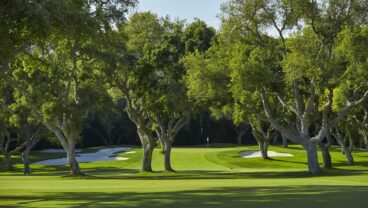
[205, 10]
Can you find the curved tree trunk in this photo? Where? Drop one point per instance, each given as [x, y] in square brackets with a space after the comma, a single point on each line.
[25, 154]
[349, 158]
[312, 157]
[345, 150]
[348, 155]
[327, 161]
[167, 154]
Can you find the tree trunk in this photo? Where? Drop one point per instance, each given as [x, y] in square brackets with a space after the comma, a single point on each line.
[312, 157]
[349, 158]
[167, 153]
[25, 158]
[285, 142]
[327, 161]
[73, 163]
[263, 146]
[240, 136]
[147, 158]
[25, 154]
[265, 150]
[345, 150]
[348, 155]
[9, 162]
[351, 144]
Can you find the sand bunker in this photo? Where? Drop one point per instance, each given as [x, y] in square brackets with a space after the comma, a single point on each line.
[56, 150]
[104, 154]
[252, 154]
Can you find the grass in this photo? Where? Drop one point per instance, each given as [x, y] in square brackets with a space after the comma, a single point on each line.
[205, 177]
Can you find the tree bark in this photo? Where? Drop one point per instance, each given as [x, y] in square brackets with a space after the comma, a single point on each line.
[349, 158]
[345, 150]
[167, 153]
[147, 157]
[263, 147]
[348, 155]
[68, 139]
[25, 158]
[265, 150]
[32, 141]
[241, 132]
[327, 161]
[72, 161]
[312, 157]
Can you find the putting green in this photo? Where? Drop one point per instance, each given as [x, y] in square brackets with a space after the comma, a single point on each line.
[205, 177]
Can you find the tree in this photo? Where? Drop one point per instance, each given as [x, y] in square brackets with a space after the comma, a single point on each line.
[216, 80]
[309, 66]
[151, 81]
[28, 131]
[62, 102]
[53, 73]
[165, 100]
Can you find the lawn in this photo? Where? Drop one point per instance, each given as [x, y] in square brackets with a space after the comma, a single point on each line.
[205, 177]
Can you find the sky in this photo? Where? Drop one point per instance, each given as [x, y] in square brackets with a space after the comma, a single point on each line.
[205, 10]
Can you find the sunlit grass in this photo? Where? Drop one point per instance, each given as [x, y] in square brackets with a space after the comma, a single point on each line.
[205, 177]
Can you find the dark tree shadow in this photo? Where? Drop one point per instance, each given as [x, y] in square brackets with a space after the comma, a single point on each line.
[254, 197]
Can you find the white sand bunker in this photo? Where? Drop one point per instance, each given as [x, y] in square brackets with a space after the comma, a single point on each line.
[105, 154]
[252, 154]
[56, 150]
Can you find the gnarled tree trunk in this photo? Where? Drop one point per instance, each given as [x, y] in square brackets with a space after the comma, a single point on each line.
[327, 161]
[68, 140]
[312, 157]
[166, 132]
[263, 146]
[148, 146]
[345, 150]
[147, 158]
[31, 142]
[263, 138]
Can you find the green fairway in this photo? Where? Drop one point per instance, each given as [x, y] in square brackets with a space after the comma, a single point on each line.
[205, 177]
